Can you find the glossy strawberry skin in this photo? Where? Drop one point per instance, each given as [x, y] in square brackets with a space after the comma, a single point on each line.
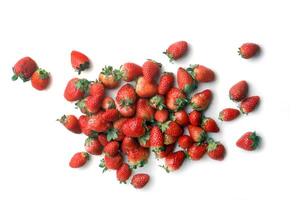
[248, 141]
[97, 89]
[93, 146]
[156, 139]
[228, 114]
[79, 61]
[185, 81]
[134, 127]
[249, 104]
[76, 89]
[71, 123]
[108, 103]
[40, 79]
[166, 83]
[174, 161]
[195, 118]
[140, 180]
[185, 141]
[172, 128]
[201, 100]
[176, 50]
[138, 157]
[175, 99]
[197, 151]
[209, 125]
[111, 149]
[201, 73]
[79, 159]
[129, 144]
[239, 91]
[248, 50]
[145, 89]
[181, 118]
[144, 110]
[161, 115]
[123, 173]
[130, 71]
[197, 133]
[216, 151]
[24, 69]
[150, 70]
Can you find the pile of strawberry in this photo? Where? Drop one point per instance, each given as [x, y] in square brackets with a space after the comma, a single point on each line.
[150, 116]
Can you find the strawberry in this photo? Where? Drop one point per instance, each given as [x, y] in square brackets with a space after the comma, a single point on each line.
[144, 110]
[79, 159]
[97, 89]
[201, 100]
[126, 111]
[185, 141]
[134, 127]
[102, 138]
[185, 81]
[140, 180]
[197, 151]
[209, 125]
[89, 105]
[167, 150]
[123, 173]
[130, 71]
[248, 50]
[248, 141]
[40, 79]
[110, 115]
[169, 139]
[97, 123]
[79, 61]
[239, 91]
[76, 89]
[111, 149]
[197, 133]
[83, 124]
[157, 102]
[111, 162]
[216, 150]
[176, 50]
[156, 139]
[181, 118]
[116, 133]
[24, 69]
[138, 157]
[201, 73]
[145, 89]
[166, 82]
[108, 103]
[249, 104]
[161, 115]
[175, 99]
[126, 95]
[129, 144]
[150, 70]
[195, 118]
[174, 161]
[171, 128]
[144, 140]
[110, 77]
[228, 114]
[93, 146]
[71, 123]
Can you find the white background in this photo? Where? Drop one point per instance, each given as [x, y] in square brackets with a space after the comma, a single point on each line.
[35, 149]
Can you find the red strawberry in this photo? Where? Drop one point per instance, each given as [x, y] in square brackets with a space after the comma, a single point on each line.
[209, 125]
[129, 144]
[126, 111]
[176, 50]
[116, 133]
[111, 162]
[185, 81]
[166, 83]
[239, 91]
[171, 128]
[248, 141]
[126, 95]
[174, 161]
[248, 50]
[167, 150]
[83, 124]
[144, 110]
[140, 180]
[76, 89]
[108, 103]
[185, 141]
[216, 150]
[79, 61]
[150, 70]
[201, 100]
[110, 115]
[249, 104]
[97, 89]
[97, 123]
[102, 138]
[93, 146]
[130, 71]
[196, 151]
[79, 159]
[89, 105]
[123, 173]
[110, 77]
[181, 118]
[197, 133]
[111, 149]
[195, 118]
[228, 114]
[175, 99]
[145, 89]
[24, 69]
[138, 157]
[40, 79]
[161, 115]
[169, 139]
[71, 123]
[201, 73]
[157, 102]
[134, 127]
[156, 139]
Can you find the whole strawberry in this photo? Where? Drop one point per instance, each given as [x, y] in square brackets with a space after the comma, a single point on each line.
[176, 50]
[150, 70]
[201, 73]
[248, 50]
[181, 118]
[79, 159]
[97, 123]
[140, 180]
[176, 99]
[110, 77]
[71, 123]
[145, 89]
[134, 127]
[24, 69]
[76, 89]
[239, 91]
[89, 105]
[93, 146]
[123, 173]
[216, 150]
[185, 81]
[209, 125]
[79, 61]
[108, 162]
[166, 82]
[201, 100]
[156, 139]
[174, 161]
[249, 104]
[171, 128]
[130, 71]
[111, 149]
[185, 141]
[197, 151]
[128, 144]
[138, 157]
[161, 115]
[197, 133]
[40, 79]
[195, 118]
[228, 114]
[248, 141]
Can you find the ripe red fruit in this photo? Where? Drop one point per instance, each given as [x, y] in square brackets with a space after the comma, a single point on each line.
[134, 127]
[201, 100]
[150, 70]
[228, 114]
[197, 133]
[108, 162]
[145, 89]
[93, 146]
[129, 144]
[216, 150]
[197, 151]
[140, 180]
[239, 91]
[89, 105]
[126, 95]
[110, 77]
[195, 118]
[130, 71]
[157, 102]
[24, 69]
[108, 103]
[185, 141]
[201, 73]
[144, 110]
[248, 141]
[97, 89]
[79, 159]
[171, 128]
[176, 99]
[97, 123]
[40, 79]
[123, 173]
[126, 111]
[209, 125]
[79, 61]
[174, 161]
[138, 157]
[169, 139]
[181, 118]
[76, 89]
[110, 115]
[83, 124]
[71, 123]
[102, 138]
[167, 150]
[166, 82]
[111, 149]
[185, 81]
[176, 50]
[161, 115]
[249, 104]
[248, 50]
[116, 133]
[156, 139]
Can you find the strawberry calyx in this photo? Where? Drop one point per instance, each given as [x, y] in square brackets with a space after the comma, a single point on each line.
[43, 74]
[255, 139]
[83, 67]
[112, 134]
[190, 87]
[62, 119]
[144, 138]
[126, 102]
[159, 64]
[102, 165]
[82, 85]
[169, 55]
[181, 103]
[158, 102]
[211, 144]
